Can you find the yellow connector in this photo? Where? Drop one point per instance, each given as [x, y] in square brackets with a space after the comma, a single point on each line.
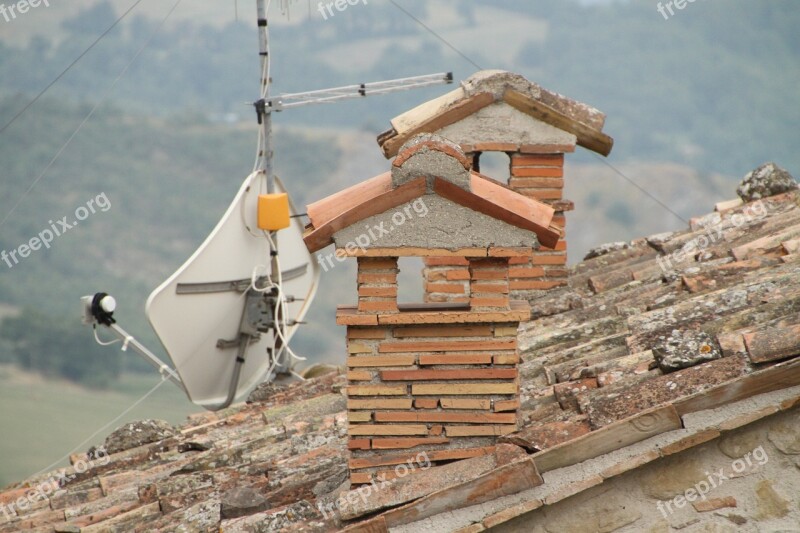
[273, 211]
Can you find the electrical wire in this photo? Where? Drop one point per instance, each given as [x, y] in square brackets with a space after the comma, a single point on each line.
[102, 101]
[74, 62]
[439, 37]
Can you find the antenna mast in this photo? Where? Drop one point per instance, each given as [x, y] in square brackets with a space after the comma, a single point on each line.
[264, 163]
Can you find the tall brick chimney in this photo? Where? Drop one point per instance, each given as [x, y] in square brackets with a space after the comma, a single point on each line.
[435, 378]
[497, 111]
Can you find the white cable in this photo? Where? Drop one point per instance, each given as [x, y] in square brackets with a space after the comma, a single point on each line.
[97, 339]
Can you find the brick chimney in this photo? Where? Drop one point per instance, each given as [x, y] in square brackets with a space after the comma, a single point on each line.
[435, 378]
[497, 111]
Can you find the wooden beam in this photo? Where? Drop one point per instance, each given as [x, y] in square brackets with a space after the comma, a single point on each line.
[506, 480]
[457, 112]
[589, 138]
[609, 438]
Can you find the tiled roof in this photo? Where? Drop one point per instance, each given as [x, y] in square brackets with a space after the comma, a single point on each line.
[636, 359]
[379, 194]
[488, 87]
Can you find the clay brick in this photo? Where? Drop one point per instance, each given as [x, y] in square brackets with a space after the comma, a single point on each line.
[446, 346]
[520, 260]
[437, 455]
[465, 403]
[501, 406]
[546, 148]
[439, 298]
[444, 417]
[435, 275]
[371, 306]
[403, 444]
[526, 272]
[509, 253]
[350, 317]
[506, 359]
[360, 478]
[366, 333]
[450, 288]
[376, 390]
[536, 183]
[357, 347]
[556, 272]
[482, 274]
[493, 288]
[541, 160]
[359, 416]
[359, 375]
[542, 194]
[454, 389]
[384, 292]
[489, 302]
[358, 444]
[446, 261]
[457, 274]
[381, 360]
[537, 172]
[375, 403]
[535, 285]
[553, 259]
[443, 331]
[479, 431]
[365, 277]
[560, 220]
[455, 359]
[431, 375]
[437, 430]
[388, 429]
[506, 331]
[426, 403]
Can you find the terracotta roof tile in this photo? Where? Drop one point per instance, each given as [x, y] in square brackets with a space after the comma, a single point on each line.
[289, 444]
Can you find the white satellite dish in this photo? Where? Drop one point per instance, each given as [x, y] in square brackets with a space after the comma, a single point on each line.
[197, 312]
[226, 316]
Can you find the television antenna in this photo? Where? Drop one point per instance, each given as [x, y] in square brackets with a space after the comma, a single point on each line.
[225, 317]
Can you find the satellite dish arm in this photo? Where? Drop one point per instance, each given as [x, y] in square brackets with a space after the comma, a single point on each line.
[99, 309]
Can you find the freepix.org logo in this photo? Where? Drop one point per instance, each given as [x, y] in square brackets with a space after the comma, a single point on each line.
[11, 11]
[56, 229]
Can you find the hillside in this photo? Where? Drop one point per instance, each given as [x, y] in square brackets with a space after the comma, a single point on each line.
[712, 88]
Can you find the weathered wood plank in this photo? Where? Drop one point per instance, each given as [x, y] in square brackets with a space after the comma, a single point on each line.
[609, 438]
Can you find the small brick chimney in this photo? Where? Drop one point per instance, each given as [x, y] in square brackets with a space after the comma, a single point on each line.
[497, 111]
[435, 378]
